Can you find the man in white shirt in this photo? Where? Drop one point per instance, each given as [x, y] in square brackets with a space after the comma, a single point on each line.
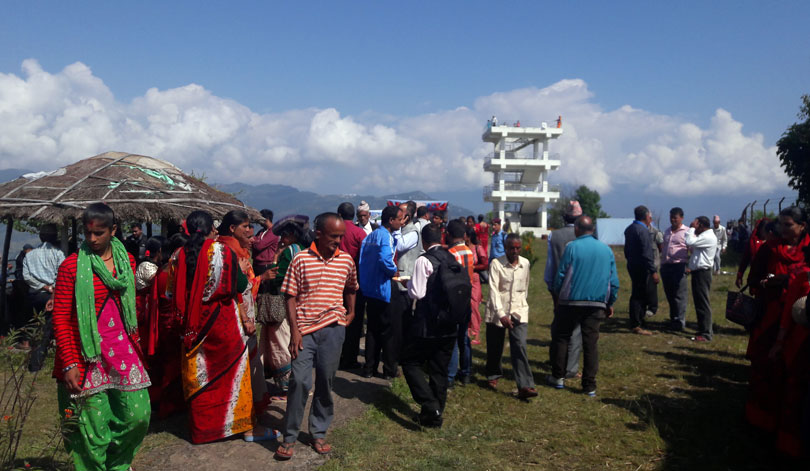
[701, 240]
[508, 310]
[722, 242]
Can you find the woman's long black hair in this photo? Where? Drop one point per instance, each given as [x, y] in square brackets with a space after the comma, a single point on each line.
[199, 224]
[232, 218]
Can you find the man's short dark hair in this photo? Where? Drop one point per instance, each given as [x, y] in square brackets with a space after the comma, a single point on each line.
[431, 235]
[704, 221]
[480, 218]
[267, 214]
[323, 218]
[511, 238]
[99, 212]
[676, 211]
[455, 229]
[136, 224]
[421, 211]
[49, 233]
[584, 224]
[796, 213]
[411, 209]
[569, 218]
[346, 211]
[388, 213]
[641, 212]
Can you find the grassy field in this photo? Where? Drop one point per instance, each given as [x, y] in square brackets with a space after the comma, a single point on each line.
[664, 403]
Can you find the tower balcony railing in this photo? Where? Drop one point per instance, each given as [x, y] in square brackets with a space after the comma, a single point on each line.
[516, 156]
[534, 188]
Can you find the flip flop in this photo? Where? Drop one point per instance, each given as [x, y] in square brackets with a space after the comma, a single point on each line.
[269, 434]
[321, 447]
[284, 451]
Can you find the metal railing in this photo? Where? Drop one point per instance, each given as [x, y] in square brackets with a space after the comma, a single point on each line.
[516, 155]
[509, 186]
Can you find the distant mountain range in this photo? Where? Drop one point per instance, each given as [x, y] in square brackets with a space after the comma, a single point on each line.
[283, 199]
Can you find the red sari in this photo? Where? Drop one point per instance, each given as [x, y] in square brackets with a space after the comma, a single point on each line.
[767, 377]
[161, 341]
[216, 379]
[796, 357]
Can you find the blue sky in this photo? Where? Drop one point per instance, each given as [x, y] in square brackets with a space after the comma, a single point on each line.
[383, 66]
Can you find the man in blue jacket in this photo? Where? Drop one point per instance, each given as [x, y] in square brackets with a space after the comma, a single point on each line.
[375, 270]
[586, 286]
[640, 256]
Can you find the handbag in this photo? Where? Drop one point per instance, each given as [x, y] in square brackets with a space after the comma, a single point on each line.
[270, 308]
[741, 308]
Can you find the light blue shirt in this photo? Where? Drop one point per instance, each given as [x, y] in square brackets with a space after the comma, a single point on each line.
[496, 245]
[41, 265]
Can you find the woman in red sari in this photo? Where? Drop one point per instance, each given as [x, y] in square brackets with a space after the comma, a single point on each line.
[768, 281]
[754, 243]
[236, 232]
[480, 263]
[216, 377]
[792, 348]
[161, 331]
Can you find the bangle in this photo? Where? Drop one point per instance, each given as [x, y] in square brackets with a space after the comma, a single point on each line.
[69, 367]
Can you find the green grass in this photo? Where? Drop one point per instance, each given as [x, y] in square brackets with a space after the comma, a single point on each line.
[663, 402]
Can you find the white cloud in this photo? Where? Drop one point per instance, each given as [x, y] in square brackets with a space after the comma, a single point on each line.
[53, 119]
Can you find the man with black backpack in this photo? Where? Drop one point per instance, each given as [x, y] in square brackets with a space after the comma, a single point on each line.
[442, 290]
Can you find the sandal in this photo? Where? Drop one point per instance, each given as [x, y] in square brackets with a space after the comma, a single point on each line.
[321, 447]
[284, 451]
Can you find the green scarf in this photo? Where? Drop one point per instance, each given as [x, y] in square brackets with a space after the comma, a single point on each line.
[124, 282]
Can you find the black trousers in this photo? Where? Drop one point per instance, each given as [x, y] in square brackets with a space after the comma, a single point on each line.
[652, 295]
[566, 319]
[701, 286]
[639, 279]
[384, 334]
[431, 395]
[40, 345]
[354, 332]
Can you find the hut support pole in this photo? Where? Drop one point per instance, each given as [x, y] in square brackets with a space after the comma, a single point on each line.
[148, 230]
[4, 268]
[164, 227]
[63, 235]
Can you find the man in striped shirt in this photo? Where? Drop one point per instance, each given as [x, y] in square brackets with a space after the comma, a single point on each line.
[319, 289]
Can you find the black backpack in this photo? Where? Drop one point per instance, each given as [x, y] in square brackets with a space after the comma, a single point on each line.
[450, 290]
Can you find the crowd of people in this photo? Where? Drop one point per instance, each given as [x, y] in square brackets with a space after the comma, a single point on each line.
[220, 322]
[776, 256]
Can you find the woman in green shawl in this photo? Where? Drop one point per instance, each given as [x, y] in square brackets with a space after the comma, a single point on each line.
[99, 367]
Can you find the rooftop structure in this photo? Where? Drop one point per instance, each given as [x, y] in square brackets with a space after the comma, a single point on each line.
[520, 164]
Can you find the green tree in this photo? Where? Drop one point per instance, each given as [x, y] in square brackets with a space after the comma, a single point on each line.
[589, 200]
[793, 149]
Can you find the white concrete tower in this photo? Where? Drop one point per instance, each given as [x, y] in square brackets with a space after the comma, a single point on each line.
[520, 164]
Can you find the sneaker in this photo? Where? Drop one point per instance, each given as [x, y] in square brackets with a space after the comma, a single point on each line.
[492, 384]
[640, 331]
[429, 419]
[451, 384]
[649, 313]
[591, 393]
[699, 338]
[466, 379]
[556, 383]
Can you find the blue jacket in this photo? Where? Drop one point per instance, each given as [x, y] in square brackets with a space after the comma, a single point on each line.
[376, 266]
[586, 275]
[496, 245]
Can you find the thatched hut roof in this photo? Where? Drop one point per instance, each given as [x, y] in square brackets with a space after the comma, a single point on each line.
[138, 188]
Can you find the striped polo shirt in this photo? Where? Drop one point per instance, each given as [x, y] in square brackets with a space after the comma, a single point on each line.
[464, 256]
[318, 287]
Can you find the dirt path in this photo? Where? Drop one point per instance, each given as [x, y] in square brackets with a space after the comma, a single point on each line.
[352, 394]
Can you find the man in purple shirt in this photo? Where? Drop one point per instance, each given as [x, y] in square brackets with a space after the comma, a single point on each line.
[674, 256]
[351, 242]
[265, 244]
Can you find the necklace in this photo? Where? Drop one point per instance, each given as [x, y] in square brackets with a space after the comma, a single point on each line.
[108, 258]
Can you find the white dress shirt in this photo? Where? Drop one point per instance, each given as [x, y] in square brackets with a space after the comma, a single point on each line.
[703, 248]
